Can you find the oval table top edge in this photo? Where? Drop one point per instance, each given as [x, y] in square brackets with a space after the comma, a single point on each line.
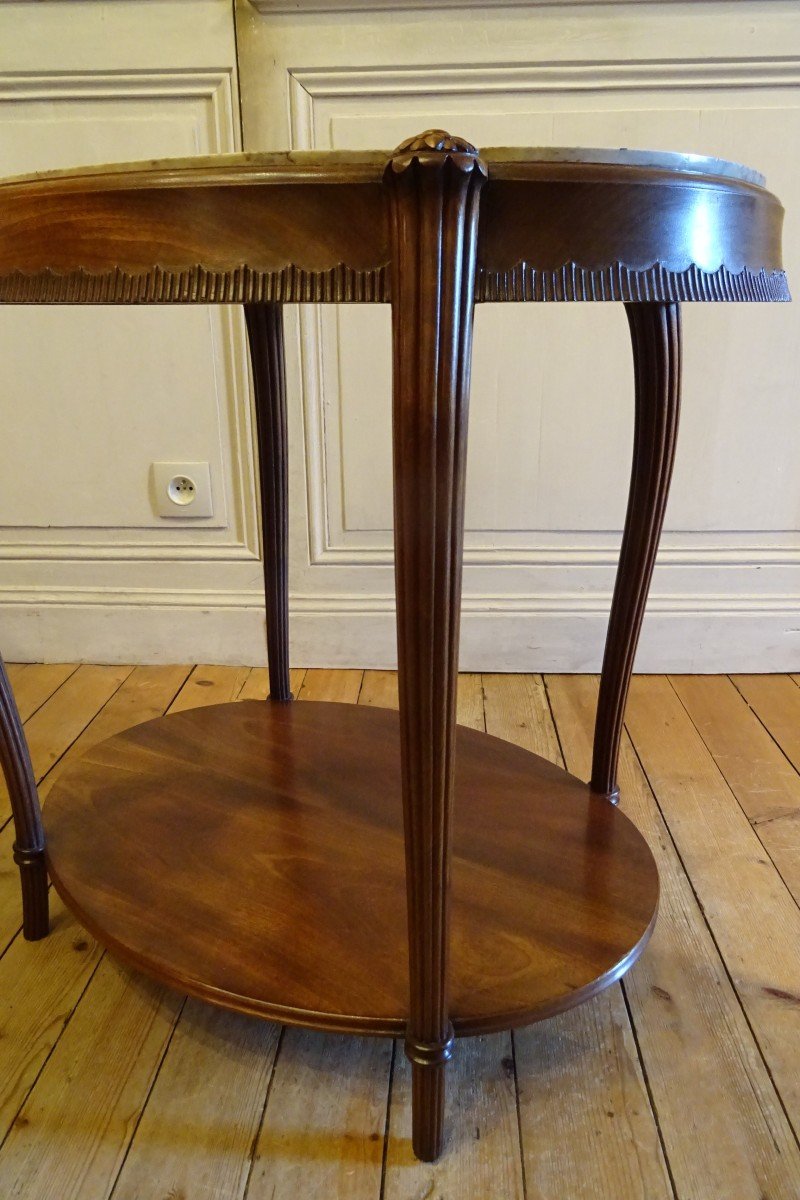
[339, 166]
[312, 226]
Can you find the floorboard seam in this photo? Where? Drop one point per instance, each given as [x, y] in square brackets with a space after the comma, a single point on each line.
[713, 936]
[178, 691]
[631, 1024]
[54, 692]
[519, 1117]
[40, 779]
[50, 1052]
[153, 1081]
[762, 723]
[751, 825]
[563, 762]
[385, 1155]
[267, 1094]
[649, 1090]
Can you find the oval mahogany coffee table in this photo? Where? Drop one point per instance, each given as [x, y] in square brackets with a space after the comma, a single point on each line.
[343, 867]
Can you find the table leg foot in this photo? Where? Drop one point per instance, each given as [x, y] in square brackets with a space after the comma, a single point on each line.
[427, 1106]
[35, 904]
[428, 1062]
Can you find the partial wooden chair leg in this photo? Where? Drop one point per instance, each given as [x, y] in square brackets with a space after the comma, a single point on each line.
[35, 899]
[656, 337]
[29, 834]
[265, 334]
[434, 183]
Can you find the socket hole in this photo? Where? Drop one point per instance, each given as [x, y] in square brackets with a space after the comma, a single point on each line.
[180, 489]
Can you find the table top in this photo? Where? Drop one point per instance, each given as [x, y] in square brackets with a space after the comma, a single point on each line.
[556, 224]
[666, 160]
[371, 164]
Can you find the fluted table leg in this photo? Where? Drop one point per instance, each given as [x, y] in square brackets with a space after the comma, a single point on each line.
[656, 337]
[434, 183]
[265, 334]
[28, 832]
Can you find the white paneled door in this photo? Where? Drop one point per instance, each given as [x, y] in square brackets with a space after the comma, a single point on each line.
[552, 396]
[91, 397]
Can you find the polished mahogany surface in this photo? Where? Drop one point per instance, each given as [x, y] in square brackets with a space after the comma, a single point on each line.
[252, 854]
[555, 224]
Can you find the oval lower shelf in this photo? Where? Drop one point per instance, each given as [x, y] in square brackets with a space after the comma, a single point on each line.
[252, 854]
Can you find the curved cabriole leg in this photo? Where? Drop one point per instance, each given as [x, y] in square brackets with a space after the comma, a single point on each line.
[28, 832]
[434, 183]
[265, 334]
[656, 338]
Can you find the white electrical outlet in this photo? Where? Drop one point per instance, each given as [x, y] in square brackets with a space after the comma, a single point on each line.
[182, 489]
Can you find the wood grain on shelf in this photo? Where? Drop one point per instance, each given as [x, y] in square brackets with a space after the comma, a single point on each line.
[240, 936]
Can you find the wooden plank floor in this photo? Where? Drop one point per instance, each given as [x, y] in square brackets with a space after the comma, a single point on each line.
[682, 1082]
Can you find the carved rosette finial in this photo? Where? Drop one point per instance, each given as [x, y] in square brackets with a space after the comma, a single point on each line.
[436, 144]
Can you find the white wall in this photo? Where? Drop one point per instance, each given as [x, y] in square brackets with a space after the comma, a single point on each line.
[552, 392]
[89, 398]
